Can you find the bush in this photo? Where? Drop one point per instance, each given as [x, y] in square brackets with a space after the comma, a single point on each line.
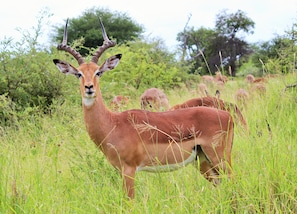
[7, 113]
[143, 65]
[29, 79]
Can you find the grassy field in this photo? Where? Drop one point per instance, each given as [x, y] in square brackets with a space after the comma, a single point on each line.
[49, 165]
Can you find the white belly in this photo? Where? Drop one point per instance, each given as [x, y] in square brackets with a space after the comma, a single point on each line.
[169, 167]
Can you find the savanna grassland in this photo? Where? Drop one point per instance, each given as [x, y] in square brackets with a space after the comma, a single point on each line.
[48, 164]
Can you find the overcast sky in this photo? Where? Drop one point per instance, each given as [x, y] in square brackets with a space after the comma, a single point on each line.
[160, 18]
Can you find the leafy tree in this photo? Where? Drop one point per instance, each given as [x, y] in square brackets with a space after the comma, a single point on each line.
[195, 44]
[231, 24]
[117, 25]
[277, 55]
[231, 27]
[208, 50]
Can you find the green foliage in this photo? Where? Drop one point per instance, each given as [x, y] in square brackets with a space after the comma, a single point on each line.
[211, 50]
[119, 26]
[232, 24]
[27, 76]
[195, 43]
[143, 65]
[249, 68]
[278, 55]
[231, 27]
[28, 79]
[7, 111]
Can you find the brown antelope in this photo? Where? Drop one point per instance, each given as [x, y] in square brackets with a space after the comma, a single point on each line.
[259, 88]
[154, 99]
[241, 97]
[219, 77]
[118, 102]
[260, 80]
[207, 79]
[213, 102]
[140, 140]
[249, 78]
[203, 89]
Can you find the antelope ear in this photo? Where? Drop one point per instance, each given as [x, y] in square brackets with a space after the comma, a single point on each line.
[65, 67]
[110, 63]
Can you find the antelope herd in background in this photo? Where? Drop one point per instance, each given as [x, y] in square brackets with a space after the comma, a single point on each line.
[154, 99]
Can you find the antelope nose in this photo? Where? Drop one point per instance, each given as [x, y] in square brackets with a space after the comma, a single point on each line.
[89, 87]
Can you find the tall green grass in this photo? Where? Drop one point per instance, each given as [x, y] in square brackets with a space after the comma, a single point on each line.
[48, 164]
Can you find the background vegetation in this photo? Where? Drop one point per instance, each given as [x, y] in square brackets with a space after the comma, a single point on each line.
[48, 164]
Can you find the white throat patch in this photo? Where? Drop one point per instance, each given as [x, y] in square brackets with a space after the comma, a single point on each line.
[88, 101]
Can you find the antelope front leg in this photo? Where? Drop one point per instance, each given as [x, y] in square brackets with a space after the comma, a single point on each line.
[128, 175]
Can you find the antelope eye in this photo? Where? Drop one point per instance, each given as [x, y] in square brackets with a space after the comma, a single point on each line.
[78, 75]
[99, 73]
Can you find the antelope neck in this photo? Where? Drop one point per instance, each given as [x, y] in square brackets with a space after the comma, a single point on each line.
[98, 120]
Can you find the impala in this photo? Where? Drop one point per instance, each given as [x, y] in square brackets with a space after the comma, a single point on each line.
[136, 140]
[249, 78]
[202, 89]
[118, 102]
[242, 97]
[154, 99]
[213, 102]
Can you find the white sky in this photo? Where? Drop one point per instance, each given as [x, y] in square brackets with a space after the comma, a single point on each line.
[160, 18]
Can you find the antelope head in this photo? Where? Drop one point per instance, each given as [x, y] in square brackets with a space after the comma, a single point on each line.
[88, 72]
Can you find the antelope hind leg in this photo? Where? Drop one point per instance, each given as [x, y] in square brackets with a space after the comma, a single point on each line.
[206, 168]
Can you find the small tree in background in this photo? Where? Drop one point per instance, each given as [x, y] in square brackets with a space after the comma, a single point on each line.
[223, 47]
[232, 27]
[196, 43]
[118, 25]
[277, 55]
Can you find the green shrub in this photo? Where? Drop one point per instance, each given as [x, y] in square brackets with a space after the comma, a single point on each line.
[143, 65]
[7, 111]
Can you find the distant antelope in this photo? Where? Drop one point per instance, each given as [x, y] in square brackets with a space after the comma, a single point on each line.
[207, 79]
[257, 84]
[259, 88]
[140, 140]
[249, 78]
[213, 102]
[219, 77]
[218, 94]
[203, 90]
[260, 79]
[154, 99]
[118, 101]
[241, 97]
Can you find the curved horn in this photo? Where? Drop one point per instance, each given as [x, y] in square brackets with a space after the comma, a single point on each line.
[63, 46]
[106, 44]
